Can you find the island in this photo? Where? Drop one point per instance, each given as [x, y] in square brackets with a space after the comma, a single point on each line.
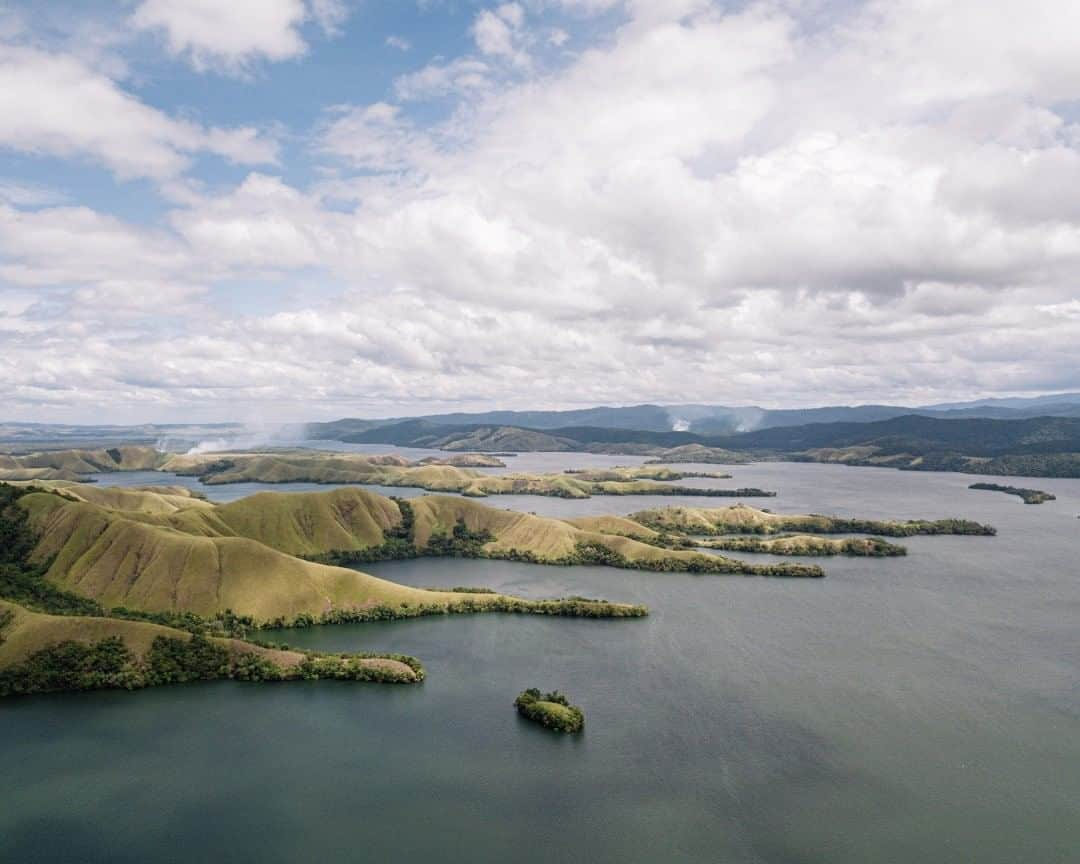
[1029, 496]
[551, 710]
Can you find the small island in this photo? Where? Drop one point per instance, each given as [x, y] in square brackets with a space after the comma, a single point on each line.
[1029, 496]
[552, 710]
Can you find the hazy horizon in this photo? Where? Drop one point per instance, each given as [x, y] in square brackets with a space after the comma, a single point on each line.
[257, 424]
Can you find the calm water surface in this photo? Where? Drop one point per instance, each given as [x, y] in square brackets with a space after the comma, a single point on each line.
[901, 710]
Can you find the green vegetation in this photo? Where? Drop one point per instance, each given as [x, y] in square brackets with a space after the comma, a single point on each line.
[551, 710]
[563, 607]
[72, 666]
[598, 554]
[109, 664]
[21, 581]
[868, 547]
[624, 475]
[1029, 496]
[461, 589]
[1035, 447]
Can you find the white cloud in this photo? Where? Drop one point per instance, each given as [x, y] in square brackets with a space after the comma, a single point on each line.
[700, 206]
[55, 104]
[376, 137]
[500, 33]
[263, 225]
[462, 77]
[231, 35]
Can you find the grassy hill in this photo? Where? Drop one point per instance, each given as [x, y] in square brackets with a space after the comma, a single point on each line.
[41, 653]
[72, 464]
[708, 419]
[138, 563]
[27, 633]
[294, 467]
[206, 559]
[1047, 446]
[1039, 446]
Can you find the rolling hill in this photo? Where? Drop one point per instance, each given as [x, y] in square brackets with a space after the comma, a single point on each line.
[394, 471]
[705, 420]
[1037, 446]
[158, 553]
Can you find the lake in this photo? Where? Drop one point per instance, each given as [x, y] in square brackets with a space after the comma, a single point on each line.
[924, 708]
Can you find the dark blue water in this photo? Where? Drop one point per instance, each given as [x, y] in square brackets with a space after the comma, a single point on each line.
[925, 708]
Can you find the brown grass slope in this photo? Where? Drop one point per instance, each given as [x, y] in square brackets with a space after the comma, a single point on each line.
[551, 540]
[25, 633]
[434, 476]
[128, 559]
[81, 462]
[29, 632]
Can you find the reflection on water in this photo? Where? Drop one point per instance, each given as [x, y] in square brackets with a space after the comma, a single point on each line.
[924, 708]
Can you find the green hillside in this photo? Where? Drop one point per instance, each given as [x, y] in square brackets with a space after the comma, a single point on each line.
[41, 653]
[238, 558]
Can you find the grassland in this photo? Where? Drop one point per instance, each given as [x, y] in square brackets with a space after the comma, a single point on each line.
[699, 453]
[156, 552]
[41, 653]
[137, 587]
[438, 476]
[75, 464]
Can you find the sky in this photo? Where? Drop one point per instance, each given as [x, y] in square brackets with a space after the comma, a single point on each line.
[288, 210]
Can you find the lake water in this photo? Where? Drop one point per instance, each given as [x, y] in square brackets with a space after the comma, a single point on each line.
[924, 708]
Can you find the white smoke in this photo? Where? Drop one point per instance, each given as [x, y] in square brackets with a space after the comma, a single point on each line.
[680, 425]
[247, 437]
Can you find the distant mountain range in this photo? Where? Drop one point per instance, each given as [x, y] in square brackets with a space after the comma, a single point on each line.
[1038, 446]
[719, 419]
[1033, 436]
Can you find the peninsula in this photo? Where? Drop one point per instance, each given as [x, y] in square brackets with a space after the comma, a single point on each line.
[1029, 496]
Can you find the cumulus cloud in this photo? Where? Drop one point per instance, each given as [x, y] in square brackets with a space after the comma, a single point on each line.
[57, 105]
[499, 32]
[703, 205]
[231, 35]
